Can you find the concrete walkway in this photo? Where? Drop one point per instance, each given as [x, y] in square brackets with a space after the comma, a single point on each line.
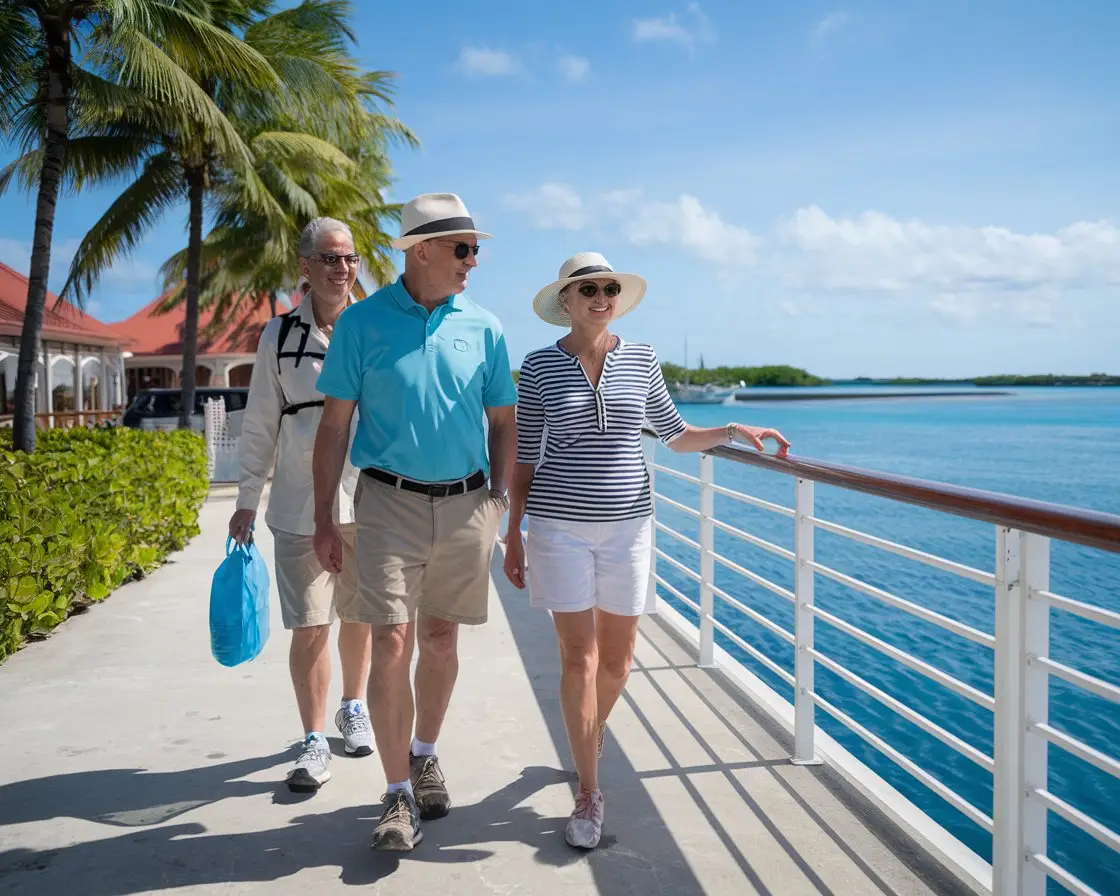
[134, 763]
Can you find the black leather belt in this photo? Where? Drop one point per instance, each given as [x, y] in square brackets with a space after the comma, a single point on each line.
[432, 489]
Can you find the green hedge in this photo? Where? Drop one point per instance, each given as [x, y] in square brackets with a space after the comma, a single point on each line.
[88, 510]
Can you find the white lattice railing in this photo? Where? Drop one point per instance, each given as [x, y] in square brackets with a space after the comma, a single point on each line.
[1020, 654]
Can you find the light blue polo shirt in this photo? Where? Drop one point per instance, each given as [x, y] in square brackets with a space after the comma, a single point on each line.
[422, 382]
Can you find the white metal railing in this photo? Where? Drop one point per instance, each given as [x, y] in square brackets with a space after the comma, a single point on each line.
[1022, 665]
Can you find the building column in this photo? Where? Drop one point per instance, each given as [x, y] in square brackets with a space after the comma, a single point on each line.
[78, 404]
[103, 382]
[48, 385]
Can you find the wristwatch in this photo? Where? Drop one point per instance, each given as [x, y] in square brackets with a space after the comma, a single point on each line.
[732, 429]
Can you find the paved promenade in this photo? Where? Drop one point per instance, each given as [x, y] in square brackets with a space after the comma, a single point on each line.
[134, 763]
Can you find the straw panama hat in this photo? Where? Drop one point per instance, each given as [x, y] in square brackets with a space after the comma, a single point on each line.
[432, 215]
[587, 266]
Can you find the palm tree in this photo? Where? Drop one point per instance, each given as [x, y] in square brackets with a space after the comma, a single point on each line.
[245, 262]
[316, 105]
[44, 93]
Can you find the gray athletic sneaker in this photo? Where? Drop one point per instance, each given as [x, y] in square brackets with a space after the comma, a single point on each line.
[312, 768]
[357, 733]
[399, 827]
[585, 826]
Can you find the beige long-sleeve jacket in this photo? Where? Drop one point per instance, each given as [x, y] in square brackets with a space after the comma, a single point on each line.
[268, 434]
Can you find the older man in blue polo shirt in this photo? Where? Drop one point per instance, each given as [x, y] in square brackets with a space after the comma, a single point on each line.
[427, 369]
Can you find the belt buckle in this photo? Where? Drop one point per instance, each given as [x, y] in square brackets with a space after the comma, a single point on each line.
[438, 491]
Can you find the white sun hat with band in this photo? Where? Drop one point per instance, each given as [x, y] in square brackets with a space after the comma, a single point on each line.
[587, 266]
[432, 215]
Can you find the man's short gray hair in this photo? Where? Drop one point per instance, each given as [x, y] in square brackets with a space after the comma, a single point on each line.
[317, 227]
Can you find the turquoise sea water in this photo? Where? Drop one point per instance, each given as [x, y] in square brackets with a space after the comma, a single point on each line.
[1059, 445]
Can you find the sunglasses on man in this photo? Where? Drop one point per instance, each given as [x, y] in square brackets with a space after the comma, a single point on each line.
[462, 250]
[331, 259]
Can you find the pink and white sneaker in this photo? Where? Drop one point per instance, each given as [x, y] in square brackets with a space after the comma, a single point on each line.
[585, 826]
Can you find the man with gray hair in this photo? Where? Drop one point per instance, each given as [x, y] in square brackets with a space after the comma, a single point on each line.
[428, 373]
[281, 418]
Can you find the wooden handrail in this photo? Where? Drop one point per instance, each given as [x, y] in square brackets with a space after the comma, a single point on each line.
[1092, 528]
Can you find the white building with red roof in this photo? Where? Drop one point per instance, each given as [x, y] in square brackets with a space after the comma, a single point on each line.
[153, 343]
[79, 357]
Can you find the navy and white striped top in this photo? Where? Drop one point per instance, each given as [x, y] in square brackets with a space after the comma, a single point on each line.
[586, 443]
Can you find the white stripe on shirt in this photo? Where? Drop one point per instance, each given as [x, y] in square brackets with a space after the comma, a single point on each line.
[586, 443]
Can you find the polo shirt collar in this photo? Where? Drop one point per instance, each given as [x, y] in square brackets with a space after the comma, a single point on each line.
[405, 301]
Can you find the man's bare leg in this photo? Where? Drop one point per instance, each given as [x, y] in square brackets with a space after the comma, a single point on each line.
[309, 663]
[355, 645]
[391, 708]
[436, 672]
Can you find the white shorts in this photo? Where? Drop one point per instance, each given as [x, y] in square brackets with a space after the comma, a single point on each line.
[573, 566]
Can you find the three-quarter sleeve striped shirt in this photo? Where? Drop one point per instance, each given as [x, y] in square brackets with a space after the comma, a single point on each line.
[585, 442]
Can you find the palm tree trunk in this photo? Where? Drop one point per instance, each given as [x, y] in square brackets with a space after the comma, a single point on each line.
[196, 189]
[54, 161]
[272, 302]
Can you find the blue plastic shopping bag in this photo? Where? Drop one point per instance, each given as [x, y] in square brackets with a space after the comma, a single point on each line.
[239, 605]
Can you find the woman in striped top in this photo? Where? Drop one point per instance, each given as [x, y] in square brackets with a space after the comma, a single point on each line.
[581, 479]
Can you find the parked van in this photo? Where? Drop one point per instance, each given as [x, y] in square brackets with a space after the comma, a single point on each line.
[159, 408]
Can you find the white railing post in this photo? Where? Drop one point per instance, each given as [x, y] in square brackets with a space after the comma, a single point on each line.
[649, 449]
[804, 715]
[707, 562]
[1022, 630]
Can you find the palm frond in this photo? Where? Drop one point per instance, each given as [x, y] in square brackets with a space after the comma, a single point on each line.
[158, 188]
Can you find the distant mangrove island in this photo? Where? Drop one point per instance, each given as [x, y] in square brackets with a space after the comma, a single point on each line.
[785, 375]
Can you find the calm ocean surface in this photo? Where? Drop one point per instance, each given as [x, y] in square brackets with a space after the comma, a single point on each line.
[1059, 445]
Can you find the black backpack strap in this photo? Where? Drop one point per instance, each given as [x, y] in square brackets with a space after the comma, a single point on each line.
[301, 352]
[293, 408]
[287, 321]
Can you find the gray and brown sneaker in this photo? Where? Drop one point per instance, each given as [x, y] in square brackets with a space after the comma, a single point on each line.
[428, 785]
[399, 827]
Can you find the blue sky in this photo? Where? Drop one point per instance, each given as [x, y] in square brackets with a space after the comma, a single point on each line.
[889, 188]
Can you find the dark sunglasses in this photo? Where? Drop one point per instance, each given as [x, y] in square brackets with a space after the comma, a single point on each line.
[590, 290]
[329, 258]
[462, 250]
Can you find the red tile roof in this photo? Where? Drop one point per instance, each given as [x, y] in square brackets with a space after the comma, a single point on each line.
[148, 332]
[61, 322]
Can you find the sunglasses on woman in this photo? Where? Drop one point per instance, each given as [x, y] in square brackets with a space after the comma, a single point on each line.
[590, 290]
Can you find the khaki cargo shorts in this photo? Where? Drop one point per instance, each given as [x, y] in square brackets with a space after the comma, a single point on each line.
[309, 595]
[420, 553]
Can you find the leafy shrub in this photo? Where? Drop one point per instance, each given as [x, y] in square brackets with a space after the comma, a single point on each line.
[89, 510]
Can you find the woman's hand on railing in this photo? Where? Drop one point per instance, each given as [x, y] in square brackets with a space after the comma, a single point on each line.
[754, 436]
[514, 565]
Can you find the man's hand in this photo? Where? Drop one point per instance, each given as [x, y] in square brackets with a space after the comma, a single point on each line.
[515, 558]
[328, 547]
[241, 525]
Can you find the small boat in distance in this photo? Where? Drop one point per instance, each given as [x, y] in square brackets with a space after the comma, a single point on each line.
[688, 393]
[709, 393]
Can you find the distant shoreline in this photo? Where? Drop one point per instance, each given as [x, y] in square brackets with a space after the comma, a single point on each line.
[799, 395]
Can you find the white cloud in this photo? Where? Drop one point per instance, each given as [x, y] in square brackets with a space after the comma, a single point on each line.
[486, 62]
[701, 231]
[962, 273]
[695, 28]
[574, 68]
[829, 25]
[550, 206]
[874, 252]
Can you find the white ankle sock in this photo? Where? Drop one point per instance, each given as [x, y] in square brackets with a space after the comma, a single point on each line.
[419, 748]
[404, 785]
[353, 705]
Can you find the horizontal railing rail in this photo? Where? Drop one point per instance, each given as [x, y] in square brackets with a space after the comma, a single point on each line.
[1021, 665]
[1076, 525]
